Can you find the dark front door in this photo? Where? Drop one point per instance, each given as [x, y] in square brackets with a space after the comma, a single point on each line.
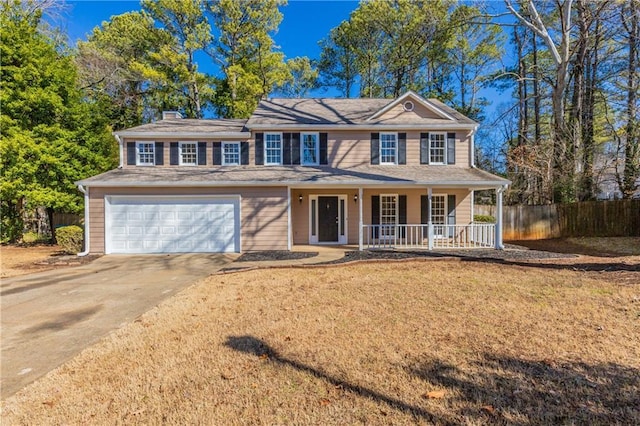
[328, 219]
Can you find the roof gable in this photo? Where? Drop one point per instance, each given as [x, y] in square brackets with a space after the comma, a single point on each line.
[420, 108]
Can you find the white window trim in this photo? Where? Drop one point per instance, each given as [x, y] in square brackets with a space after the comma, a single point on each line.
[266, 163]
[380, 149]
[180, 162]
[446, 210]
[444, 155]
[317, 162]
[224, 163]
[138, 163]
[397, 216]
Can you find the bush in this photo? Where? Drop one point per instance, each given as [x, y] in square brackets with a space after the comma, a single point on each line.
[31, 237]
[483, 218]
[70, 238]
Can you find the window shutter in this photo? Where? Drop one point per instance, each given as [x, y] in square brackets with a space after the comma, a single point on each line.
[259, 149]
[451, 148]
[286, 148]
[159, 153]
[244, 153]
[295, 148]
[174, 154]
[202, 153]
[375, 214]
[402, 214]
[402, 148]
[375, 148]
[131, 153]
[217, 153]
[424, 214]
[324, 148]
[424, 148]
[451, 213]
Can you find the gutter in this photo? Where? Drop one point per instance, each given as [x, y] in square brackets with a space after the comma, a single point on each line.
[379, 127]
[174, 135]
[85, 191]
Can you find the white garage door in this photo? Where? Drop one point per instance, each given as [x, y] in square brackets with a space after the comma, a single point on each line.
[172, 224]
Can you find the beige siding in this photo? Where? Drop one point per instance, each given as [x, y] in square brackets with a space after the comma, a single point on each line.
[398, 114]
[263, 213]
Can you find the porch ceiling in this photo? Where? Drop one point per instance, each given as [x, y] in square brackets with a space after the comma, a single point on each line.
[299, 176]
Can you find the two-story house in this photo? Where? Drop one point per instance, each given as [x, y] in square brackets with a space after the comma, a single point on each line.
[368, 172]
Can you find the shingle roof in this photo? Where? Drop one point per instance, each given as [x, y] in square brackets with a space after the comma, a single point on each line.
[450, 176]
[326, 111]
[188, 125]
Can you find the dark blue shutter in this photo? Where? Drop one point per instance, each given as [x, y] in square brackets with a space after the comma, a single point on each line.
[202, 153]
[402, 214]
[131, 153]
[402, 148]
[217, 153]
[424, 148]
[295, 148]
[286, 148]
[324, 148]
[375, 214]
[424, 214]
[159, 153]
[451, 148]
[174, 154]
[451, 213]
[375, 148]
[244, 153]
[259, 149]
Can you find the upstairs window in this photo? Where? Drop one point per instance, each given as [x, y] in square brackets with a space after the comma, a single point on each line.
[145, 153]
[310, 148]
[230, 153]
[273, 148]
[188, 153]
[388, 148]
[437, 148]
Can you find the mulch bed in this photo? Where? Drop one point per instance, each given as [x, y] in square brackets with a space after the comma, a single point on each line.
[511, 252]
[258, 256]
[62, 259]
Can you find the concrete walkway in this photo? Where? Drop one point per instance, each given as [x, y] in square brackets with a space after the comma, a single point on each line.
[49, 317]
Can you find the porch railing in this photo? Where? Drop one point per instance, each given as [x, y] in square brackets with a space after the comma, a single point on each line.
[475, 235]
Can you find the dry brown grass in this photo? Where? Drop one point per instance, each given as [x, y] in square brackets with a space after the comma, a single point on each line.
[363, 344]
[17, 260]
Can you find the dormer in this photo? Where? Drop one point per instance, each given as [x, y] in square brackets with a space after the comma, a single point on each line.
[171, 115]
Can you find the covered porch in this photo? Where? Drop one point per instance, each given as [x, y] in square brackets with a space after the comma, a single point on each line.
[391, 218]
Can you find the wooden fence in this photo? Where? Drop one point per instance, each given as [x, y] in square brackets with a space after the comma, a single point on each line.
[617, 218]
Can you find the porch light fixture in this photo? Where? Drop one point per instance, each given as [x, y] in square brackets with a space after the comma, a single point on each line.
[355, 198]
[300, 198]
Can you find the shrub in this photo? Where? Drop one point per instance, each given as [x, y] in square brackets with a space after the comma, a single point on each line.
[483, 218]
[31, 237]
[70, 238]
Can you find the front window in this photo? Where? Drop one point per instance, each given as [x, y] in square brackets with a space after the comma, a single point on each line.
[310, 148]
[231, 153]
[388, 147]
[273, 148]
[145, 153]
[439, 214]
[388, 215]
[437, 148]
[188, 153]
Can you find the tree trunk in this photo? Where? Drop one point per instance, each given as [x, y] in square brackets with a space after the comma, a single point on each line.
[632, 145]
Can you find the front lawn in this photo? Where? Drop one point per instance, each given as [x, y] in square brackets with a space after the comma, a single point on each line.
[376, 343]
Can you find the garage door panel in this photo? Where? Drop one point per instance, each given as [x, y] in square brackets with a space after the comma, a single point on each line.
[171, 225]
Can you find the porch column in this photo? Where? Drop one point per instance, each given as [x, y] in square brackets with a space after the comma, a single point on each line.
[360, 222]
[289, 218]
[499, 191]
[429, 223]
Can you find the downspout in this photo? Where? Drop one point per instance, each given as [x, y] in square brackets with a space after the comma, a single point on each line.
[120, 151]
[85, 191]
[472, 148]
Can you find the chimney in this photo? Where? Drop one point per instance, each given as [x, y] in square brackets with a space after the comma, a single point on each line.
[171, 115]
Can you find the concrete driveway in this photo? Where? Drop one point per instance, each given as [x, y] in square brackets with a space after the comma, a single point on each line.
[49, 317]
